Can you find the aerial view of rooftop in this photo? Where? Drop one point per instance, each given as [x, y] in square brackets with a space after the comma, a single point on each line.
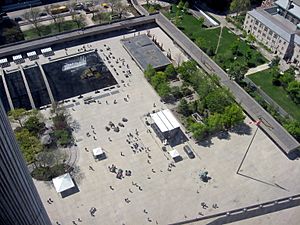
[133, 112]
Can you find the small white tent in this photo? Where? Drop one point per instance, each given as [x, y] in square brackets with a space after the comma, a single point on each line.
[98, 153]
[63, 183]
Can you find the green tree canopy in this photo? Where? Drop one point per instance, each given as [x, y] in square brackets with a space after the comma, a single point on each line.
[187, 69]
[199, 131]
[217, 100]
[17, 115]
[215, 122]
[183, 108]
[232, 116]
[149, 72]
[239, 6]
[293, 127]
[170, 72]
[294, 91]
[33, 125]
[29, 144]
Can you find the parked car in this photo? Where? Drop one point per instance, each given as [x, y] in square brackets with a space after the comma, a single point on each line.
[18, 19]
[189, 151]
[43, 14]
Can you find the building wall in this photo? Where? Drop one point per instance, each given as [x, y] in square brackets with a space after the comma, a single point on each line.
[268, 37]
[296, 55]
[20, 203]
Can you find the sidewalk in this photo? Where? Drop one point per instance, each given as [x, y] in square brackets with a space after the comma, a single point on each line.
[258, 69]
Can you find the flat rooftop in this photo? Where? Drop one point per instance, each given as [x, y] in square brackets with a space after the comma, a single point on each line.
[145, 52]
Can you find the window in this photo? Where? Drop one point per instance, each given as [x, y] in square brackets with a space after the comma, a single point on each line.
[275, 36]
[279, 41]
[271, 32]
[265, 29]
[256, 22]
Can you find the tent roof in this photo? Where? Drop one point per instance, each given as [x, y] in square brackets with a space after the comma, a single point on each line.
[165, 120]
[97, 151]
[4, 60]
[63, 182]
[33, 53]
[174, 153]
[16, 57]
[45, 50]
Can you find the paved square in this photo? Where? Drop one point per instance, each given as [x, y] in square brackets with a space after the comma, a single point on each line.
[167, 196]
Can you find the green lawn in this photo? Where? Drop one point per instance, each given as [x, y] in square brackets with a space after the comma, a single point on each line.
[278, 94]
[49, 29]
[192, 27]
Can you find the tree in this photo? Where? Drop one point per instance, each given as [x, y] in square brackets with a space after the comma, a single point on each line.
[215, 122]
[199, 131]
[158, 79]
[114, 4]
[34, 126]
[293, 127]
[239, 6]
[176, 92]
[54, 17]
[287, 77]
[185, 6]
[232, 116]
[63, 137]
[13, 34]
[293, 90]
[183, 108]
[32, 16]
[149, 72]
[237, 71]
[187, 69]
[217, 100]
[79, 19]
[180, 5]
[17, 115]
[29, 145]
[170, 72]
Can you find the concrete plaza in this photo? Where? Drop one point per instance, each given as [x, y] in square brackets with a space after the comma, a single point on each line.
[166, 196]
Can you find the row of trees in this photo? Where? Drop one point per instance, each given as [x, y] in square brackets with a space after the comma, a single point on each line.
[215, 105]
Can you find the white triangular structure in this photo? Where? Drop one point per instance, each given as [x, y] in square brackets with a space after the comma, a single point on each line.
[63, 183]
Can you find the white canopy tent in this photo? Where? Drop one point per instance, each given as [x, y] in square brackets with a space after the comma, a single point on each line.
[98, 151]
[4, 60]
[31, 54]
[63, 183]
[174, 153]
[165, 120]
[46, 50]
[17, 57]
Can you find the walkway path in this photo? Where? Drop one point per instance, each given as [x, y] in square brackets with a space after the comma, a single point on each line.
[258, 69]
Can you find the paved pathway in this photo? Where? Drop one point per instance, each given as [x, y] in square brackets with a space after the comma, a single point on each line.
[258, 69]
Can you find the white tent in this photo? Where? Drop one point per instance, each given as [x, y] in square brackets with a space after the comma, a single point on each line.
[31, 54]
[63, 183]
[174, 154]
[46, 50]
[165, 120]
[4, 60]
[17, 57]
[98, 152]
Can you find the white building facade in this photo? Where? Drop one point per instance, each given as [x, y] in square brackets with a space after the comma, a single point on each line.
[277, 27]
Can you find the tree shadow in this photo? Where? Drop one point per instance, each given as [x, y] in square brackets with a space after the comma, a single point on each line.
[205, 143]
[223, 135]
[77, 174]
[242, 129]
[75, 125]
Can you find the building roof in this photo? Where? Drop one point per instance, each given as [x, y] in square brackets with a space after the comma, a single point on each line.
[297, 39]
[283, 28]
[165, 120]
[63, 182]
[294, 9]
[145, 52]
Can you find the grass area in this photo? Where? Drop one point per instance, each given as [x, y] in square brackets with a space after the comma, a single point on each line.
[264, 80]
[49, 29]
[192, 27]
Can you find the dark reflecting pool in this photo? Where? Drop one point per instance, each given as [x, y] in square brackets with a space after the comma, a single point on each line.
[37, 86]
[17, 90]
[77, 75]
[3, 96]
